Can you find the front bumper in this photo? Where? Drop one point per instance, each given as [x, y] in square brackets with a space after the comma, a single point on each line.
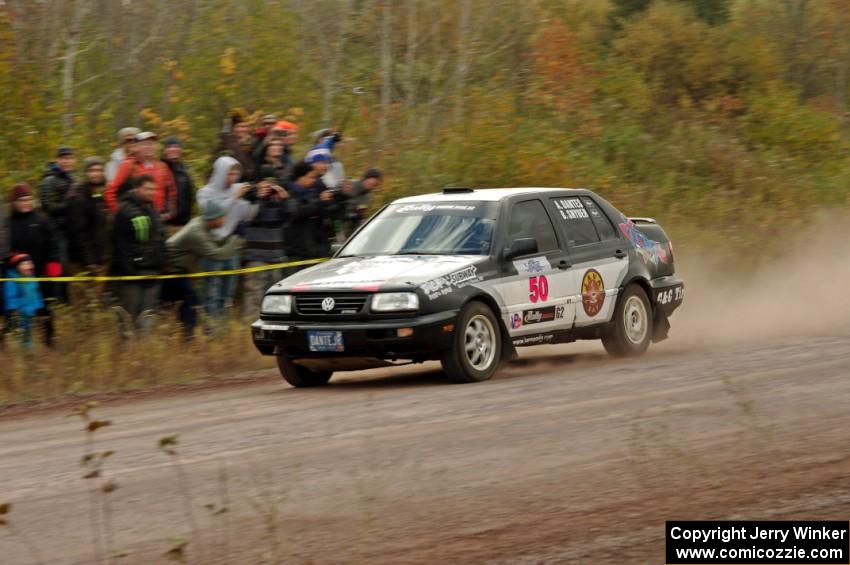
[432, 334]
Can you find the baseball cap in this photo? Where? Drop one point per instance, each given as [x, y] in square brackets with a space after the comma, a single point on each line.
[126, 134]
[145, 135]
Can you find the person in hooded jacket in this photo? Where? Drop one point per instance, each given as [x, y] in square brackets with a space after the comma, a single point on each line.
[138, 238]
[31, 232]
[312, 209]
[284, 131]
[187, 249]
[225, 190]
[274, 162]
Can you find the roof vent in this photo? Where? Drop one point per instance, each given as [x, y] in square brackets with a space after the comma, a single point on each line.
[456, 190]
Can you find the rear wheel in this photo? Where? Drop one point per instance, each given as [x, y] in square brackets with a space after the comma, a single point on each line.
[477, 346]
[632, 330]
[299, 376]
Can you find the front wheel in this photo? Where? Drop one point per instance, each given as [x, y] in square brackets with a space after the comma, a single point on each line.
[476, 346]
[299, 376]
[632, 330]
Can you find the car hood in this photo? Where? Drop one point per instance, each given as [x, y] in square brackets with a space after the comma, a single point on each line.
[372, 273]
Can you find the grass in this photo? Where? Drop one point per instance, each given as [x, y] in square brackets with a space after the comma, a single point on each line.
[91, 355]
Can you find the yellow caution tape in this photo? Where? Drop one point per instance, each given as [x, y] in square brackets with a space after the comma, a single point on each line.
[89, 278]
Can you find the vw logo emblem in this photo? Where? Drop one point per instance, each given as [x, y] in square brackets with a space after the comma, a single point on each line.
[328, 304]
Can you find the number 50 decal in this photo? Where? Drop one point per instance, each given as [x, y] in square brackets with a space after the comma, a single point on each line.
[538, 289]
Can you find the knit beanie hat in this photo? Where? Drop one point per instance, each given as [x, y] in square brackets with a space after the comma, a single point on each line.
[16, 259]
[213, 210]
[20, 190]
[317, 155]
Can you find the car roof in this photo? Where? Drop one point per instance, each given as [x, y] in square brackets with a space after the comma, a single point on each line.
[483, 194]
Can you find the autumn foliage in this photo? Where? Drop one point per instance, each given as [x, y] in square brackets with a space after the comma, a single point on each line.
[717, 116]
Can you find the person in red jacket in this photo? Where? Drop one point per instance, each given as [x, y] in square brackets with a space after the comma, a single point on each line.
[144, 161]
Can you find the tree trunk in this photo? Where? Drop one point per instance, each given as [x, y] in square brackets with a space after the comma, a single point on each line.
[410, 63]
[462, 59]
[386, 71]
[70, 59]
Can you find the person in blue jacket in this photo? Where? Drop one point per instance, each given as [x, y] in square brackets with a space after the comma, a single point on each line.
[22, 300]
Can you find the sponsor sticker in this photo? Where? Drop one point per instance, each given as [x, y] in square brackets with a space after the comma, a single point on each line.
[674, 294]
[539, 315]
[592, 292]
[441, 286]
[420, 208]
[533, 339]
[516, 321]
[533, 266]
[650, 251]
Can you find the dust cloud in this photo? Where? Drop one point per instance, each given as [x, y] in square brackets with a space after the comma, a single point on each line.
[803, 291]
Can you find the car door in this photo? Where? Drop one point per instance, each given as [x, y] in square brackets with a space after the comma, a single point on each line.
[535, 288]
[599, 257]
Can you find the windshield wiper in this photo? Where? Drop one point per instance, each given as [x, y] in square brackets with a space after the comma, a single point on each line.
[418, 252]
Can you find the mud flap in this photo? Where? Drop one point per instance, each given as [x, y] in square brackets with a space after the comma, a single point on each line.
[660, 326]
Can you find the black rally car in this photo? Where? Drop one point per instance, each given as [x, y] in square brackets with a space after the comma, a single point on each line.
[466, 276]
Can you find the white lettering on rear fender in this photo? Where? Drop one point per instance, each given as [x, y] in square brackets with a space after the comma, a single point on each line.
[671, 295]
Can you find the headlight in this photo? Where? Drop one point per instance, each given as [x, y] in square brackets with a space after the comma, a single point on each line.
[277, 304]
[395, 301]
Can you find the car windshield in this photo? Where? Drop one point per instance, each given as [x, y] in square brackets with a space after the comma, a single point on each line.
[424, 229]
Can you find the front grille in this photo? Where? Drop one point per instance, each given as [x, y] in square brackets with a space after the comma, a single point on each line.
[344, 304]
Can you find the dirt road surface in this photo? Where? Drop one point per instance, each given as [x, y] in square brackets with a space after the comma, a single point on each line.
[566, 457]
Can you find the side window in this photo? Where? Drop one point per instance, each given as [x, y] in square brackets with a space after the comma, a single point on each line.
[529, 219]
[600, 220]
[576, 221]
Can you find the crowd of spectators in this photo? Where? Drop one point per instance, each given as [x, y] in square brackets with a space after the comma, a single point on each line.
[133, 215]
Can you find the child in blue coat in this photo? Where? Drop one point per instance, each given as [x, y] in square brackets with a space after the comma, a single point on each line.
[23, 300]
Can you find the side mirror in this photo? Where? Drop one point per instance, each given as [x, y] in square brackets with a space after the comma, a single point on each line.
[520, 247]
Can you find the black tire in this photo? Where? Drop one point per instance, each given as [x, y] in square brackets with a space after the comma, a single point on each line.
[477, 336]
[299, 376]
[632, 331]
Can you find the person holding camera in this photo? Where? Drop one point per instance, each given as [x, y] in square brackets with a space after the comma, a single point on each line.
[359, 195]
[264, 243]
[309, 230]
[225, 190]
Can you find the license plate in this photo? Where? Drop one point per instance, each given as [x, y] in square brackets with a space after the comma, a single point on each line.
[325, 341]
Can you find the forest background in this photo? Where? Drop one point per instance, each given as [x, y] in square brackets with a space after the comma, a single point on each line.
[725, 119]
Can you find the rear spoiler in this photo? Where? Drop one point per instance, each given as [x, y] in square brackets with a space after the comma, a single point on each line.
[643, 220]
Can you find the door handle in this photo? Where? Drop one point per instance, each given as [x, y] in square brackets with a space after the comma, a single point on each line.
[563, 265]
[619, 254]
